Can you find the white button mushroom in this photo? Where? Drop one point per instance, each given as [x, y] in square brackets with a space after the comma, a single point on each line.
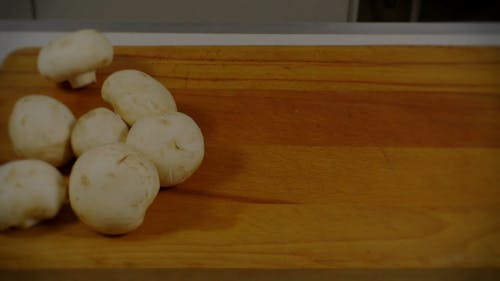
[97, 127]
[172, 141]
[40, 127]
[134, 94]
[75, 57]
[111, 187]
[30, 191]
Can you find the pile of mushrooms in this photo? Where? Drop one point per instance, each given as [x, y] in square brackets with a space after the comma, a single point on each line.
[119, 169]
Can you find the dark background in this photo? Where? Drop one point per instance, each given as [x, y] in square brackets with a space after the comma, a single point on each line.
[429, 10]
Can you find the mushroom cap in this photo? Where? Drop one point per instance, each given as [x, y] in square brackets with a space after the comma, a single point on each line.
[40, 128]
[97, 127]
[111, 187]
[74, 54]
[172, 141]
[134, 95]
[31, 191]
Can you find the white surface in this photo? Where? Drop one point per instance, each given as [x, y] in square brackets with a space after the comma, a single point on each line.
[12, 40]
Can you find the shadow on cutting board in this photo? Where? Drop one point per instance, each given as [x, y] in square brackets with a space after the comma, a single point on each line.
[192, 205]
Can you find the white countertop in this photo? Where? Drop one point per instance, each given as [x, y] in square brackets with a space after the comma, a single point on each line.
[11, 40]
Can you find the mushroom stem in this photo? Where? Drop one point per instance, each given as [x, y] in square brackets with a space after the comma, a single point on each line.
[83, 79]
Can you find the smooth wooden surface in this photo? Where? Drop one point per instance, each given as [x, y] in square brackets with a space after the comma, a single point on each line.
[316, 157]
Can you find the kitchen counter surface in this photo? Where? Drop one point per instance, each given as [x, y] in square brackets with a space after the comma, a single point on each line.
[20, 34]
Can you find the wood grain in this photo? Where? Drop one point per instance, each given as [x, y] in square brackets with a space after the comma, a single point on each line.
[317, 157]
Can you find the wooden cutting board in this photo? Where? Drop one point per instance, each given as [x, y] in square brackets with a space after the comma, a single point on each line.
[316, 158]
